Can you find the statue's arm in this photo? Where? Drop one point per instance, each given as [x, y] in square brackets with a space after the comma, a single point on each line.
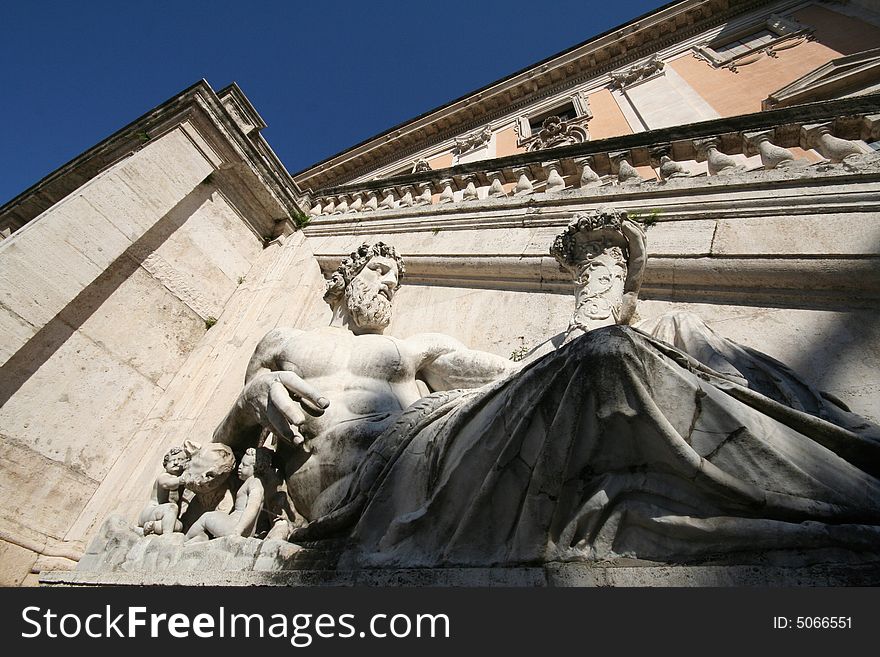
[270, 397]
[446, 364]
[167, 481]
[635, 269]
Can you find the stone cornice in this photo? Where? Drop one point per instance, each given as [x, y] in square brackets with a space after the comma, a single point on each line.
[245, 158]
[609, 51]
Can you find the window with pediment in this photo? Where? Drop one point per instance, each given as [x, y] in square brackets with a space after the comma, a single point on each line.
[732, 49]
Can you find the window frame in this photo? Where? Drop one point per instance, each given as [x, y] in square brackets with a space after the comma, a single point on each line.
[578, 101]
[786, 30]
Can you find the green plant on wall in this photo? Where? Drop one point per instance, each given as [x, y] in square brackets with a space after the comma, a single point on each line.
[210, 321]
[520, 352]
[300, 218]
[646, 218]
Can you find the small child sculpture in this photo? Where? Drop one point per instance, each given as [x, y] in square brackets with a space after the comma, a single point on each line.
[161, 514]
[242, 521]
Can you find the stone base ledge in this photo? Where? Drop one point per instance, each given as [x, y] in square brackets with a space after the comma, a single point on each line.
[550, 575]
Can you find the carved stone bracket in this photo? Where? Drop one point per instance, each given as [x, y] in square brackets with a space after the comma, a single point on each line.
[637, 72]
[472, 142]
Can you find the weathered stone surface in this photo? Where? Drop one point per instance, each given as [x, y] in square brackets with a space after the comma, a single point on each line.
[30, 481]
[15, 563]
[855, 233]
[119, 557]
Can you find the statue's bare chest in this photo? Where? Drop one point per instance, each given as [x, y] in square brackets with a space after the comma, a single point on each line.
[317, 355]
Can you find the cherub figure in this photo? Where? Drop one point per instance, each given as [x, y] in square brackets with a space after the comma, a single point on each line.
[161, 514]
[242, 521]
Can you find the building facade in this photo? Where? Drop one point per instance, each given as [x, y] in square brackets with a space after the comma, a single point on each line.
[139, 277]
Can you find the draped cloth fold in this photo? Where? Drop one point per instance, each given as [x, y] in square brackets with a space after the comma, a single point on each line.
[615, 445]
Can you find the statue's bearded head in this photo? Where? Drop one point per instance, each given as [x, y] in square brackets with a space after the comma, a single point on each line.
[365, 283]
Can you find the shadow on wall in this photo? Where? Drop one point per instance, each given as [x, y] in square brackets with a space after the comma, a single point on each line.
[42, 345]
[839, 32]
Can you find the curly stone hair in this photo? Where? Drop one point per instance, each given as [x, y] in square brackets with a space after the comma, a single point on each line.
[171, 453]
[352, 266]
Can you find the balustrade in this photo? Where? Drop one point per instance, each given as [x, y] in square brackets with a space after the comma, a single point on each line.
[838, 140]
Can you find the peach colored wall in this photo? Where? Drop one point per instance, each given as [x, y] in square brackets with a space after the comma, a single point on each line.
[608, 120]
[441, 162]
[742, 92]
[505, 142]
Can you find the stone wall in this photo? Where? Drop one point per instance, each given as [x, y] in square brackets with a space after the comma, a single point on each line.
[106, 296]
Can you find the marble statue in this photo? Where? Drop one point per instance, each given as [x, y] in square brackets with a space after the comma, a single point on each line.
[160, 515]
[328, 394]
[614, 443]
[661, 441]
[206, 475]
[242, 521]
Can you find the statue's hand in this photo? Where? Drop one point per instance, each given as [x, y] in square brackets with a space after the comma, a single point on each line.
[279, 401]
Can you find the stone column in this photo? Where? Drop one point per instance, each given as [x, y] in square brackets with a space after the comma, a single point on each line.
[372, 203]
[555, 182]
[718, 163]
[524, 184]
[425, 194]
[446, 196]
[406, 198]
[772, 156]
[496, 187]
[388, 200]
[470, 190]
[830, 147]
[588, 177]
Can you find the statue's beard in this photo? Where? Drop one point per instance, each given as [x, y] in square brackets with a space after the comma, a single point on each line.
[367, 308]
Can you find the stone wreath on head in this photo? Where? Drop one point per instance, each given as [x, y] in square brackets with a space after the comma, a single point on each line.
[352, 266]
[608, 220]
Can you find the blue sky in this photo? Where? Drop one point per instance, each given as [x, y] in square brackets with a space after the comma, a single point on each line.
[324, 76]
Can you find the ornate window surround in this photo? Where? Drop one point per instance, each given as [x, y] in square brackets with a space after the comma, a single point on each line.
[790, 33]
[579, 100]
